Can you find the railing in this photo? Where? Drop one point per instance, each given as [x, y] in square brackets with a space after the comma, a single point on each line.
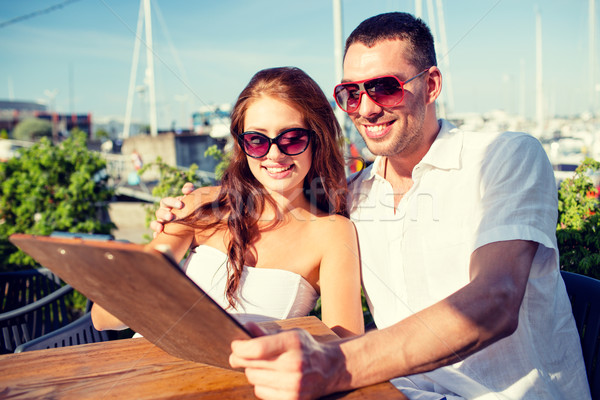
[9, 147]
[119, 167]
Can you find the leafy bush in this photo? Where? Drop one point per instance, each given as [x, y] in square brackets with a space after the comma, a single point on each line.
[102, 134]
[578, 231]
[223, 158]
[52, 188]
[171, 180]
[32, 129]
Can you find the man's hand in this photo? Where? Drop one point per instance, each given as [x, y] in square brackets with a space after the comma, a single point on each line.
[289, 365]
[164, 214]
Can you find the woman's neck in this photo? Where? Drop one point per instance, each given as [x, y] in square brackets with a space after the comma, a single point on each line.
[286, 204]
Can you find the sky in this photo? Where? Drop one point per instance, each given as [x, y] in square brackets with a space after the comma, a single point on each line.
[78, 56]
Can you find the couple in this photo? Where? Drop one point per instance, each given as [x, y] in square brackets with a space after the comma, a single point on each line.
[458, 255]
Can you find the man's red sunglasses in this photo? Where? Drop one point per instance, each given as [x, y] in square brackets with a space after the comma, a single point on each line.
[385, 91]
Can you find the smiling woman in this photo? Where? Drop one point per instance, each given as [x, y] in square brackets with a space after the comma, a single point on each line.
[277, 170]
[275, 235]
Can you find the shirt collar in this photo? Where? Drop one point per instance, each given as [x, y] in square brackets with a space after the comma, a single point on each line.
[378, 165]
[446, 149]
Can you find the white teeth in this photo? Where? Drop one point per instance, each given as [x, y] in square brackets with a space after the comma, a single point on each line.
[273, 170]
[375, 128]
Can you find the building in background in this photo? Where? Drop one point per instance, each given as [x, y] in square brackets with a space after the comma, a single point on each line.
[13, 112]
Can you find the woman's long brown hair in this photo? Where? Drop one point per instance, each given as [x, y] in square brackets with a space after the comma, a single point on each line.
[241, 199]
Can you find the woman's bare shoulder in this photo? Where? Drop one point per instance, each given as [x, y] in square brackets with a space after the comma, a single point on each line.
[333, 224]
[336, 239]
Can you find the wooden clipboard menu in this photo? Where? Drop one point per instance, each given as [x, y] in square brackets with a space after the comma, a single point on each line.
[146, 290]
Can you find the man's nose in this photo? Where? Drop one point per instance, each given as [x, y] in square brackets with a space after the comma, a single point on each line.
[368, 107]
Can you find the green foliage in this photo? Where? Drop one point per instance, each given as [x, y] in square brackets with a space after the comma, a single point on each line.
[3, 134]
[170, 183]
[219, 155]
[32, 129]
[102, 134]
[365, 309]
[76, 131]
[52, 188]
[578, 231]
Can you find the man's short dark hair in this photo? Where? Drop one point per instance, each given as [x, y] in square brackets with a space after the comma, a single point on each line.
[394, 26]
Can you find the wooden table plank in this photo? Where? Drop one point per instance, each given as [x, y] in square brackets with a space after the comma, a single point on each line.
[135, 368]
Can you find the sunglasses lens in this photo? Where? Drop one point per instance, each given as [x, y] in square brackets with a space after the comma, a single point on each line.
[293, 142]
[348, 96]
[255, 145]
[386, 91]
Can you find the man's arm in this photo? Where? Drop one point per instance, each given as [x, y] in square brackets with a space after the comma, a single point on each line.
[164, 214]
[479, 314]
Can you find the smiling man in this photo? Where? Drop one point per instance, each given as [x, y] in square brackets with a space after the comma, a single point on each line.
[458, 249]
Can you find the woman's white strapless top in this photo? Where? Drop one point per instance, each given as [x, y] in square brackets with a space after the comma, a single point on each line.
[264, 294]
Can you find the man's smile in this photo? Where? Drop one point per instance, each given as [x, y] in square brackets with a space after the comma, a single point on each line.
[376, 131]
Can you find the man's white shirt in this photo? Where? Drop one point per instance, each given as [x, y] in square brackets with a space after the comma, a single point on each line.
[472, 189]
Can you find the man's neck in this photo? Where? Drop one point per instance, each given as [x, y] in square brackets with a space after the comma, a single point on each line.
[400, 183]
[397, 169]
[402, 164]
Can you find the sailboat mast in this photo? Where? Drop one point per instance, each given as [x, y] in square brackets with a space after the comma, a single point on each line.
[133, 72]
[419, 9]
[150, 68]
[441, 102]
[538, 71]
[145, 20]
[338, 44]
[445, 57]
[594, 86]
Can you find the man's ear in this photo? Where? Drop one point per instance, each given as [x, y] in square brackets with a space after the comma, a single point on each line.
[434, 84]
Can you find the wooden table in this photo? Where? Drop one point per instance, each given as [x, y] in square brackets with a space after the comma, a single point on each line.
[136, 369]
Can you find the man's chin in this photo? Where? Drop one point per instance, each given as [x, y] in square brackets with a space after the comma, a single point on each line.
[375, 146]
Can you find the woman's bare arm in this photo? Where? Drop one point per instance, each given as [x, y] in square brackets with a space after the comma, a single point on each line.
[339, 278]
